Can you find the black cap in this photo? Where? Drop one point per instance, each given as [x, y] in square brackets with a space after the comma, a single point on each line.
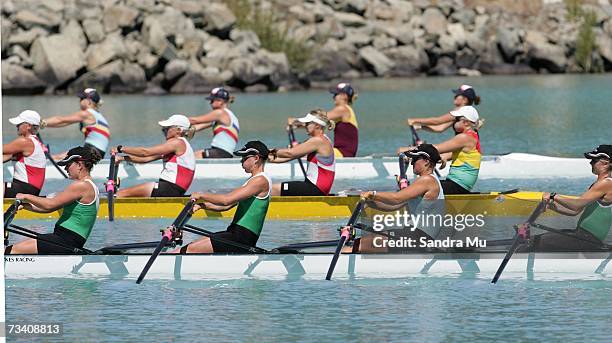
[425, 150]
[219, 93]
[76, 154]
[602, 151]
[91, 94]
[467, 91]
[253, 148]
[343, 87]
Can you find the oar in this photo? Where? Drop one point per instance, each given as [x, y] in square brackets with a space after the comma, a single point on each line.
[8, 218]
[521, 232]
[292, 140]
[344, 236]
[178, 223]
[403, 178]
[49, 157]
[110, 187]
[415, 136]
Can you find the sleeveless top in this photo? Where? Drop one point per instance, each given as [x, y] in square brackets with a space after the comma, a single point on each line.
[226, 137]
[466, 165]
[31, 169]
[179, 170]
[80, 218]
[251, 212]
[98, 133]
[597, 218]
[425, 207]
[346, 135]
[321, 170]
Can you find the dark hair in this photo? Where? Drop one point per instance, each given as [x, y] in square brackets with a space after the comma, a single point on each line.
[475, 102]
[92, 158]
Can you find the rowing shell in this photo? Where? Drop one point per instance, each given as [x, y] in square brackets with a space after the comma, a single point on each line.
[540, 266]
[307, 207]
[510, 166]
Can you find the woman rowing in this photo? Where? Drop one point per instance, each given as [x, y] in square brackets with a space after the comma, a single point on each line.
[346, 131]
[465, 95]
[252, 198]
[91, 122]
[224, 125]
[79, 203]
[321, 169]
[594, 207]
[28, 156]
[425, 197]
[178, 161]
[463, 150]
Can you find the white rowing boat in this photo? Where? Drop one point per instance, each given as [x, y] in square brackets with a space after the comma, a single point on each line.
[540, 266]
[510, 166]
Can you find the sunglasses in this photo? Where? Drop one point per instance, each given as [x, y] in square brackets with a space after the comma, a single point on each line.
[244, 158]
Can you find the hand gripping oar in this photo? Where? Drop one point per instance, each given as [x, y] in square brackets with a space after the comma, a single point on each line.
[292, 140]
[167, 236]
[403, 179]
[49, 157]
[8, 218]
[522, 235]
[110, 187]
[343, 237]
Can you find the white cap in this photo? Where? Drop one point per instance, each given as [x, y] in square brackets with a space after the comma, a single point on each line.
[469, 112]
[27, 116]
[310, 118]
[176, 120]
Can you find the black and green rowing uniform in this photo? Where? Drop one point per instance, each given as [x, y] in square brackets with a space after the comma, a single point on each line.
[73, 227]
[597, 219]
[247, 223]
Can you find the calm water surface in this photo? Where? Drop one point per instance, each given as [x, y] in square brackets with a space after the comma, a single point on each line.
[553, 115]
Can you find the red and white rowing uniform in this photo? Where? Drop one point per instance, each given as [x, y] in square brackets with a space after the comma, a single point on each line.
[31, 169]
[180, 169]
[321, 170]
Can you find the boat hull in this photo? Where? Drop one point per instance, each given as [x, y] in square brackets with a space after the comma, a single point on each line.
[540, 266]
[311, 207]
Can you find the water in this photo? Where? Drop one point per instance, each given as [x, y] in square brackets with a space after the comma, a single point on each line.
[559, 115]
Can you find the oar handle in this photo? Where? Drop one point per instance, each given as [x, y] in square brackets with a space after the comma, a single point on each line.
[415, 136]
[403, 178]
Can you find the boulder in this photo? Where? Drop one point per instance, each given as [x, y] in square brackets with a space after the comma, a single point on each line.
[219, 19]
[200, 80]
[98, 78]
[189, 7]
[56, 58]
[544, 55]
[303, 33]
[262, 67]
[118, 17]
[350, 19]
[358, 37]
[110, 49]
[409, 60]
[131, 79]
[246, 40]
[457, 33]
[18, 80]
[465, 58]
[330, 28]
[434, 21]
[73, 30]
[5, 29]
[383, 42]
[154, 37]
[154, 86]
[29, 18]
[329, 64]
[509, 42]
[94, 30]
[26, 38]
[24, 58]
[444, 67]
[604, 47]
[378, 62]
[303, 15]
[464, 16]
[175, 69]
[404, 34]
[149, 62]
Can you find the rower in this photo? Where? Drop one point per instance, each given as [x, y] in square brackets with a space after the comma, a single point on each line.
[594, 207]
[425, 194]
[79, 203]
[318, 148]
[465, 95]
[224, 125]
[463, 150]
[178, 161]
[28, 156]
[252, 198]
[346, 132]
[91, 122]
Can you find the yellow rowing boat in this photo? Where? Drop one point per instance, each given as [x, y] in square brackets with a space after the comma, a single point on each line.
[307, 207]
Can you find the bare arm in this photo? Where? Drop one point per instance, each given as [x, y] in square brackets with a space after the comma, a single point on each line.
[169, 146]
[443, 119]
[61, 121]
[288, 154]
[337, 113]
[458, 142]
[200, 127]
[418, 188]
[438, 128]
[19, 145]
[205, 121]
[73, 192]
[254, 187]
[578, 204]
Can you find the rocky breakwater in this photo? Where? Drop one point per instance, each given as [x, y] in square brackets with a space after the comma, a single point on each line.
[189, 46]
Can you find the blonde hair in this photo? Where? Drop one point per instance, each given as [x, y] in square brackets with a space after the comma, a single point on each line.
[322, 115]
